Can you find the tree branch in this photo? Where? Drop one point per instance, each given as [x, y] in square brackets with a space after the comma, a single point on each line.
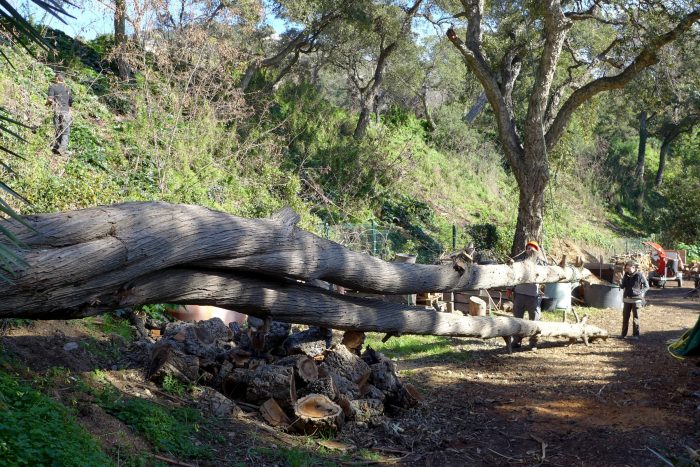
[476, 62]
[556, 26]
[646, 58]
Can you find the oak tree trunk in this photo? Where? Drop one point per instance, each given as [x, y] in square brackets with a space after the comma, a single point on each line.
[530, 208]
[641, 158]
[662, 162]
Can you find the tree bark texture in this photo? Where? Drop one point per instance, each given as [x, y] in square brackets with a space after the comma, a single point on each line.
[120, 39]
[663, 152]
[92, 261]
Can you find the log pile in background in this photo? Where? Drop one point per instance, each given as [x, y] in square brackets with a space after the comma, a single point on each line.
[296, 386]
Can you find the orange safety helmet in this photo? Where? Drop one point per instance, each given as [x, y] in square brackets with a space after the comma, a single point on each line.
[533, 244]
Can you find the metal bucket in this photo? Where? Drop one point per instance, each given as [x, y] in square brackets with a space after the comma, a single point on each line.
[602, 296]
[561, 293]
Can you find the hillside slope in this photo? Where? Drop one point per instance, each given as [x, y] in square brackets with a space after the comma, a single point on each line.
[129, 142]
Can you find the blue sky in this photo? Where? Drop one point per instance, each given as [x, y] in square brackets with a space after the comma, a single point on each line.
[92, 19]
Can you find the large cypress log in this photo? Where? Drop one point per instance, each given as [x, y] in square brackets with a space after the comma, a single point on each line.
[80, 262]
[92, 261]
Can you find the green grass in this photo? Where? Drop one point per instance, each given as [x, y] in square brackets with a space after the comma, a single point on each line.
[419, 347]
[110, 324]
[173, 386]
[168, 430]
[35, 430]
[571, 318]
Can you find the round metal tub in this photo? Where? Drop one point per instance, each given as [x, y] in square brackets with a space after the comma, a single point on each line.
[602, 296]
[561, 293]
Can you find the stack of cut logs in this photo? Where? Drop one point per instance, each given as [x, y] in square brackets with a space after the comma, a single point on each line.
[302, 381]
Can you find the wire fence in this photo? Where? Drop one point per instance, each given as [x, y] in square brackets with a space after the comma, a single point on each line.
[366, 238]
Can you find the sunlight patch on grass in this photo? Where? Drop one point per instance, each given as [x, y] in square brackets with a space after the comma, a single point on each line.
[418, 347]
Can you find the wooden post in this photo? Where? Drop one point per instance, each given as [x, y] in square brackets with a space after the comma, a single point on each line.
[477, 307]
[448, 298]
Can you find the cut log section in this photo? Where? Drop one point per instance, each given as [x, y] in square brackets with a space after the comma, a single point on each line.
[311, 342]
[167, 360]
[477, 306]
[324, 386]
[384, 376]
[317, 414]
[341, 361]
[368, 411]
[274, 415]
[272, 381]
[353, 340]
[305, 368]
[236, 383]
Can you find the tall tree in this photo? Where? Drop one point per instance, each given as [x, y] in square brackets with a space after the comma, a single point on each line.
[120, 39]
[390, 33]
[526, 140]
[669, 132]
[307, 22]
[364, 46]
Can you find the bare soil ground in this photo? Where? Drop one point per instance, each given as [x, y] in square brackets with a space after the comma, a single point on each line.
[613, 403]
[608, 404]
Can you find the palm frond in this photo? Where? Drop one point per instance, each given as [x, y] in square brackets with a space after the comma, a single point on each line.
[14, 26]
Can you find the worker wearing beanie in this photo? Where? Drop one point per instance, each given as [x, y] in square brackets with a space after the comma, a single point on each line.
[527, 296]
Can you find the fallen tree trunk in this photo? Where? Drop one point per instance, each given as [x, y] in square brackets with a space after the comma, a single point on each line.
[97, 260]
[81, 263]
[298, 303]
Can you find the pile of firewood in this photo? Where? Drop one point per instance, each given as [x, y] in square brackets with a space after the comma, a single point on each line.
[302, 381]
[642, 258]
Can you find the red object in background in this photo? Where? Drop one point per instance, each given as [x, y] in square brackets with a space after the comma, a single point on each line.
[661, 264]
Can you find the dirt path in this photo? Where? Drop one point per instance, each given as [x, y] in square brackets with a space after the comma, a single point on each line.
[609, 404]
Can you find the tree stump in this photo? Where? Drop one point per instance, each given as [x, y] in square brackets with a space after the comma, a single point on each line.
[316, 413]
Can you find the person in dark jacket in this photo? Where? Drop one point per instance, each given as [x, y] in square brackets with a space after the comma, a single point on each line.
[634, 286]
[60, 98]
